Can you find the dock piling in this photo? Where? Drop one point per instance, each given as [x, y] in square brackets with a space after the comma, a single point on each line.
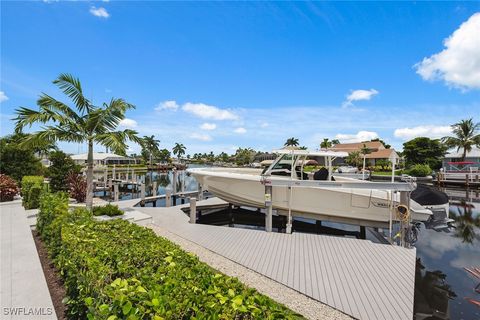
[154, 190]
[115, 192]
[193, 210]
[268, 204]
[168, 197]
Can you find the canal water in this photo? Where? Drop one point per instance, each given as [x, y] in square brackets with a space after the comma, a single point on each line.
[444, 289]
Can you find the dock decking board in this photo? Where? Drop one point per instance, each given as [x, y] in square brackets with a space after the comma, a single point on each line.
[358, 277]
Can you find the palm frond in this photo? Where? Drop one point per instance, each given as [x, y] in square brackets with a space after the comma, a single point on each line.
[27, 117]
[117, 140]
[47, 102]
[107, 119]
[71, 87]
[49, 135]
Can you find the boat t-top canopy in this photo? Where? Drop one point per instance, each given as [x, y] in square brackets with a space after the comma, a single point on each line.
[320, 153]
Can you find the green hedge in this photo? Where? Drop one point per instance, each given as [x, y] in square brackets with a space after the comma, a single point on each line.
[118, 270]
[108, 210]
[419, 170]
[32, 187]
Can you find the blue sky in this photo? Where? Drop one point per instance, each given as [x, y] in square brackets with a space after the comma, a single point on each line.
[221, 75]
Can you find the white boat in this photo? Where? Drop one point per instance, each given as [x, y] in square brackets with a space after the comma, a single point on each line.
[340, 199]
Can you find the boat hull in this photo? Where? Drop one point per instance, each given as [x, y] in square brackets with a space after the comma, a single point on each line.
[357, 206]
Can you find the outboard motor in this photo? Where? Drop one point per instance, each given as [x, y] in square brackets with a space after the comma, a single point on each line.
[437, 202]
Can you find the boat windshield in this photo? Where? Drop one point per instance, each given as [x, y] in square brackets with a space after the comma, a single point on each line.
[282, 167]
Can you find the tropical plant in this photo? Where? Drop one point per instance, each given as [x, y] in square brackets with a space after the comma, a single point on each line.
[8, 188]
[465, 136]
[164, 155]
[423, 150]
[119, 270]
[384, 164]
[61, 166]
[335, 141]
[149, 148]
[77, 186]
[244, 156]
[107, 210]
[32, 187]
[291, 142]
[419, 170]
[179, 150]
[17, 161]
[354, 158]
[325, 144]
[88, 123]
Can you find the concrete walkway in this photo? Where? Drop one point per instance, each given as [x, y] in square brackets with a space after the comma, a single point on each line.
[23, 289]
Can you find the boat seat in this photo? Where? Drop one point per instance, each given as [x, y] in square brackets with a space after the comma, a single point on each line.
[321, 174]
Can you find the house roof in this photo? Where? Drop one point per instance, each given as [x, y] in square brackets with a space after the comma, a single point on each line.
[383, 154]
[475, 153]
[100, 156]
[348, 147]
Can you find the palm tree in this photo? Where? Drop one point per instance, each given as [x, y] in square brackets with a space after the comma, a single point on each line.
[150, 144]
[291, 142]
[465, 137]
[179, 150]
[88, 123]
[325, 144]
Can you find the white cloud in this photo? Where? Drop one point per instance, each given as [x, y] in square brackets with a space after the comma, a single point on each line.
[167, 105]
[459, 63]
[264, 124]
[240, 130]
[128, 123]
[422, 131]
[201, 136]
[208, 126]
[358, 137]
[3, 96]
[99, 12]
[205, 111]
[357, 95]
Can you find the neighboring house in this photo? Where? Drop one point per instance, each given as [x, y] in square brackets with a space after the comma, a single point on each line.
[100, 158]
[377, 152]
[472, 158]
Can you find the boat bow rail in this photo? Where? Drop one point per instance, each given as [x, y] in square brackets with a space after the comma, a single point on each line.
[392, 186]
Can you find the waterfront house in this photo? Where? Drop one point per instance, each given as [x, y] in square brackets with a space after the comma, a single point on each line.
[377, 152]
[101, 158]
[455, 156]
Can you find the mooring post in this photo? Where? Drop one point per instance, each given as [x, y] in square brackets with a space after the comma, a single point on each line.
[154, 190]
[200, 192]
[168, 196]
[115, 192]
[142, 194]
[193, 210]
[230, 215]
[269, 206]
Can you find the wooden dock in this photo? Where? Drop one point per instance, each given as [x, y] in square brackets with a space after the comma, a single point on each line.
[360, 278]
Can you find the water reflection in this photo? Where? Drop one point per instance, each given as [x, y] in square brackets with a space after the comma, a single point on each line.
[466, 223]
[432, 293]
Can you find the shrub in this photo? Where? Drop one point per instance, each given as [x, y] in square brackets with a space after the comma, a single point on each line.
[108, 210]
[60, 169]
[419, 170]
[32, 187]
[17, 161]
[77, 186]
[118, 270]
[8, 188]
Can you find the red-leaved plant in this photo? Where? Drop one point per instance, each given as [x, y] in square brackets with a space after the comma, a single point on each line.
[77, 186]
[8, 188]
